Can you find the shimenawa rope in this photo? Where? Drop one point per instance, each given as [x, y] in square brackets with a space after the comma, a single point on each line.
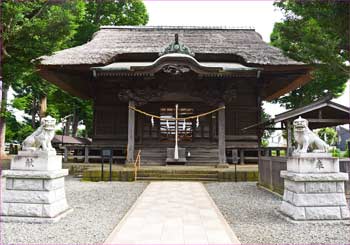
[179, 118]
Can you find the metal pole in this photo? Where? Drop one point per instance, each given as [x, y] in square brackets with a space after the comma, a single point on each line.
[110, 167]
[176, 152]
[64, 129]
[235, 171]
[102, 169]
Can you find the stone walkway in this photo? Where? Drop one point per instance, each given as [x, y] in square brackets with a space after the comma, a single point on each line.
[173, 213]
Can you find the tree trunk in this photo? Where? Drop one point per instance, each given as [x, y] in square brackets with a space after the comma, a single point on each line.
[33, 112]
[75, 124]
[4, 91]
[43, 107]
[67, 127]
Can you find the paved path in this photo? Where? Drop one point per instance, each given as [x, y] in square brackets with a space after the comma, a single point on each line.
[173, 213]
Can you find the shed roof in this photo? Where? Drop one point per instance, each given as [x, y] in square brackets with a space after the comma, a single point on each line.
[320, 114]
[111, 41]
[70, 140]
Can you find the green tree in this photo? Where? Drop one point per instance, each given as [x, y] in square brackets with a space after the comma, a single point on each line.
[17, 131]
[266, 134]
[31, 29]
[97, 13]
[41, 27]
[317, 33]
[109, 12]
[329, 135]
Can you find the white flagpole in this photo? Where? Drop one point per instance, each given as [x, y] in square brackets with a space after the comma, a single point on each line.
[176, 151]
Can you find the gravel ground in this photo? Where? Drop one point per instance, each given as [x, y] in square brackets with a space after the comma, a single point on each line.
[251, 213]
[98, 208]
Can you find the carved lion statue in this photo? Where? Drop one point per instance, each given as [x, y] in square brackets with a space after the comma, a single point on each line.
[305, 138]
[42, 136]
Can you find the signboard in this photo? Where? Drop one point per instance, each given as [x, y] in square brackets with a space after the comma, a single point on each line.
[234, 156]
[107, 153]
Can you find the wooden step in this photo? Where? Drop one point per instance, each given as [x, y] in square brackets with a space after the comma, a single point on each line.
[175, 179]
[179, 175]
[201, 153]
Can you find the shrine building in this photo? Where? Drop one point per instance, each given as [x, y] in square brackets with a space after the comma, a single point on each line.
[135, 76]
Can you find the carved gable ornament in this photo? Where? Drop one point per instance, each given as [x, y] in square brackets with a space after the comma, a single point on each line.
[176, 47]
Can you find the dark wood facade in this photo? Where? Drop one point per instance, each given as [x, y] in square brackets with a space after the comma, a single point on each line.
[111, 114]
[206, 69]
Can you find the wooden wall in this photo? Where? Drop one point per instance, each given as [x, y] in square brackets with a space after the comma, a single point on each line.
[111, 118]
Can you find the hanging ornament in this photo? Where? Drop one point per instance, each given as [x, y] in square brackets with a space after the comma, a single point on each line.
[184, 125]
[167, 124]
[152, 121]
[197, 122]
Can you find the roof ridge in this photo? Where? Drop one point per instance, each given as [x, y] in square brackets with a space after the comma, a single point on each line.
[245, 28]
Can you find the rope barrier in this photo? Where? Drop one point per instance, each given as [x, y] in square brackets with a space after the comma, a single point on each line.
[179, 118]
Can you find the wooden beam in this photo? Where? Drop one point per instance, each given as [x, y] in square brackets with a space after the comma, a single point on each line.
[55, 78]
[328, 120]
[300, 81]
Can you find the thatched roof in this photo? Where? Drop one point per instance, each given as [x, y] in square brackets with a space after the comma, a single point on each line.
[111, 41]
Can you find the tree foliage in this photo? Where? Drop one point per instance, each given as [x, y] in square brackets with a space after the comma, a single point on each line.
[329, 135]
[109, 12]
[17, 131]
[28, 33]
[317, 33]
[41, 27]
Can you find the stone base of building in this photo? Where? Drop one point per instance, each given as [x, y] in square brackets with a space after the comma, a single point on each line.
[34, 196]
[222, 165]
[314, 189]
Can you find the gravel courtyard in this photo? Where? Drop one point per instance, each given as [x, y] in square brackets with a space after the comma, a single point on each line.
[98, 208]
[251, 213]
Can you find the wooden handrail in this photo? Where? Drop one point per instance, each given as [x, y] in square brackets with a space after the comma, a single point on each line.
[137, 163]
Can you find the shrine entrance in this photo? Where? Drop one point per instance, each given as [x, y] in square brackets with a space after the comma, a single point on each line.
[168, 127]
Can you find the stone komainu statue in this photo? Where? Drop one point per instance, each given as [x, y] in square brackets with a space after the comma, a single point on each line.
[305, 138]
[42, 136]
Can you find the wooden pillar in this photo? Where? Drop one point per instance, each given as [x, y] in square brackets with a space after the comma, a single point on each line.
[289, 138]
[86, 154]
[140, 128]
[131, 134]
[278, 153]
[221, 138]
[211, 128]
[267, 152]
[241, 156]
[43, 106]
[65, 154]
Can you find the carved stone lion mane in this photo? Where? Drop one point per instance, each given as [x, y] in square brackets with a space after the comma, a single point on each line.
[41, 137]
[305, 138]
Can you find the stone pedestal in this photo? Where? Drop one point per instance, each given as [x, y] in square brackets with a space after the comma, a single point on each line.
[314, 188]
[34, 189]
[170, 156]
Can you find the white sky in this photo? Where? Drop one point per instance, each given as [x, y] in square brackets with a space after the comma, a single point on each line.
[260, 15]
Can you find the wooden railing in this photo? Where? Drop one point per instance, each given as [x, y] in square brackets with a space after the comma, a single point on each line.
[137, 163]
[270, 172]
